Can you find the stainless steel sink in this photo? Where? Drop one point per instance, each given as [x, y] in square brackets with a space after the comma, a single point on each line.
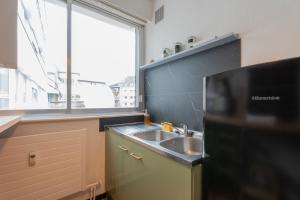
[188, 146]
[154, 135]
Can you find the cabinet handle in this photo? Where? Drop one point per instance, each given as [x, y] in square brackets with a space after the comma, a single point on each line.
[123, 148]
[136, 156]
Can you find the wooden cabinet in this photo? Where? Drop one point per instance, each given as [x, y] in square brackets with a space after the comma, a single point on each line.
[135, 172]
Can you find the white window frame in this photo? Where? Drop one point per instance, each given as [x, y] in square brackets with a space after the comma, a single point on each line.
[139, 51]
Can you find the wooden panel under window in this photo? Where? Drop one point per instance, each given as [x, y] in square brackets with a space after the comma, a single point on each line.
[59, 168]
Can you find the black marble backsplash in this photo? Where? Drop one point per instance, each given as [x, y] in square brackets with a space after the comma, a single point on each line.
[173, 91]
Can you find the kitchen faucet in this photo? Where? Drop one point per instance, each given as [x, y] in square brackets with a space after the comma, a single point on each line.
[185, 130]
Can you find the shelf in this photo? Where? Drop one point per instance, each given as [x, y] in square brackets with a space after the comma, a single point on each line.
[8, 121]
[215, 42]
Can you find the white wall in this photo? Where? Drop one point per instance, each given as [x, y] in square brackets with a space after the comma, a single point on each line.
[8, 33]
[270, 29]
[139, 8]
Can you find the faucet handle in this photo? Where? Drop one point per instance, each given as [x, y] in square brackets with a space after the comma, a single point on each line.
[185, 128]
[190, 133]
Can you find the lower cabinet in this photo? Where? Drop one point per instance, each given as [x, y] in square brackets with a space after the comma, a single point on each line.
[137, 173]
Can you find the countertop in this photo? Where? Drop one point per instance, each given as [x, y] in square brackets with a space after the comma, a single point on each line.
[8, 121]
[128, 131]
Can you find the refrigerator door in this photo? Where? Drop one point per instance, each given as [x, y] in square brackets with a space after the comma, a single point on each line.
[252, 133]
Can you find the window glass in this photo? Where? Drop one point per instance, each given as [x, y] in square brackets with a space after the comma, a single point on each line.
[103, 61]
[42, 41]
[103, 56]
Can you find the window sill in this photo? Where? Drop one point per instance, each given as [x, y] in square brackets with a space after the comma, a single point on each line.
[28, 118]
[8, 121]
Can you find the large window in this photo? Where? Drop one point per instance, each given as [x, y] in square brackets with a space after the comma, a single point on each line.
[99, 73]
[103, 61]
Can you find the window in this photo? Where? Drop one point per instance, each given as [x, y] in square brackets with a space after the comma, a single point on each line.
[42, 30]
[102, 69]
[103, 56]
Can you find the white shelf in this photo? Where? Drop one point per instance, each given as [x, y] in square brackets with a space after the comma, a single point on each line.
[215, 42]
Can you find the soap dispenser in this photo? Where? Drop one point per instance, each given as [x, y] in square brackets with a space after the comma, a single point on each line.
[147, 118]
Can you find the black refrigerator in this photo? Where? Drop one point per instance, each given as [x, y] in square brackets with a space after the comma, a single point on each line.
[252, 133]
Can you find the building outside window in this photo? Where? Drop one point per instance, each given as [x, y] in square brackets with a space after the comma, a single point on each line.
[4, 88]
[127, 89]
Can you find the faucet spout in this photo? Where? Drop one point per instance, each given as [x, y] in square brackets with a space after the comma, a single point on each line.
[185, 129]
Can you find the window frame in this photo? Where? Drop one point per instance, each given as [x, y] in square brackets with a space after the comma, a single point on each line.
[139, 60]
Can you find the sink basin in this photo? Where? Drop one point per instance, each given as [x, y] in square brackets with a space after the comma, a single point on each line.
[154, 135]
[184, 145]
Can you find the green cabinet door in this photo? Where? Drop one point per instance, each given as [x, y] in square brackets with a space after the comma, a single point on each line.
[141, 174]
[117, 167]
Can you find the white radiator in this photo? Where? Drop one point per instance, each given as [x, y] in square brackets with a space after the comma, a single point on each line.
[46, 166]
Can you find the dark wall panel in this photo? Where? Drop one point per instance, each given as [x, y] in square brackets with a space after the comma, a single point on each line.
[173, 91]
[109, 121]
